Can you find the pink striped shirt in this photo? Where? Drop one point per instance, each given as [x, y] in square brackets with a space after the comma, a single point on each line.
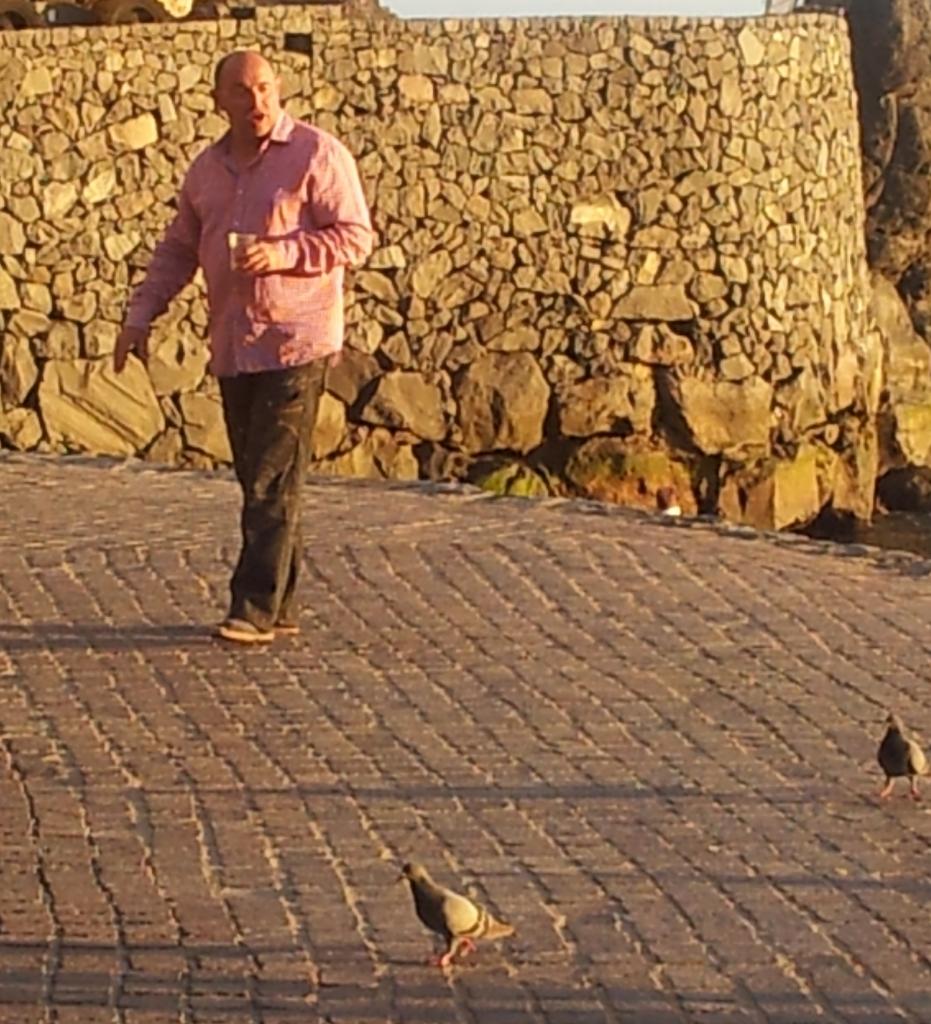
[302, 192]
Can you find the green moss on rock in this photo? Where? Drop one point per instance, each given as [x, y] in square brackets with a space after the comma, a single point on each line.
[513, 479]
[605, 470]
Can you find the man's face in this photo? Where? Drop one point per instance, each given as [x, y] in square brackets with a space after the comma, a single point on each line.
[249, 95]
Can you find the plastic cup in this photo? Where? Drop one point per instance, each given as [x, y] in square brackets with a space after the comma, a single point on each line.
[237, 241]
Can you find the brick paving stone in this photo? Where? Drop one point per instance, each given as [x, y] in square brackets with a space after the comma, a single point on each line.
[650, 743]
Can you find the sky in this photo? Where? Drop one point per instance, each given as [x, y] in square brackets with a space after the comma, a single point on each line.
[527, 8]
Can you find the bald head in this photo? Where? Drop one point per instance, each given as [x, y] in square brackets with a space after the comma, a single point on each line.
[247, 91]
[233, 62]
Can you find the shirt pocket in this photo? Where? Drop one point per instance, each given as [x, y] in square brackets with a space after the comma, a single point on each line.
[285, 211]
[284, 299]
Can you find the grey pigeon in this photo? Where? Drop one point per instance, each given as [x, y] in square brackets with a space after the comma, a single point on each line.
[456, 918]
[900, 756]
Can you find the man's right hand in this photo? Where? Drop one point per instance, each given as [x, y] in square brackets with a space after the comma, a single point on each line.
[131, 339]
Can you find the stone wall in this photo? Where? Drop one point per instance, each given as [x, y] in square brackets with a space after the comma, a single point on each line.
[892, 67]
[615, 254]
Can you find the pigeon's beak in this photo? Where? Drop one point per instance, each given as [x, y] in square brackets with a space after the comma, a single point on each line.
[402, 877]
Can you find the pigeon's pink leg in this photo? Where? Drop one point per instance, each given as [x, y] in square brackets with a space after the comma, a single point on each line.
[913, 788]
[887, 789]
[460, 947]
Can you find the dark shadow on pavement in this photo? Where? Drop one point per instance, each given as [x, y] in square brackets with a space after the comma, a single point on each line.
[43, 635]
[225, 981]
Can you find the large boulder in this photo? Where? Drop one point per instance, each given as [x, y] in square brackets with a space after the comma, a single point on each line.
[776, 493]
[900, 214]
[407, 401]
[178, 361]
[203, 425]
[86, 406]
[723, 417]
[906, 355]
[349, 373]
[329, 427]
[912, 431]
[167, 449]
[610, 469]
[621, 403]
[892, 63]
[18, 370]
[377, 455]
[21, 429]
[503, 399]
[803, 401]
[905, 413]
[853, 486]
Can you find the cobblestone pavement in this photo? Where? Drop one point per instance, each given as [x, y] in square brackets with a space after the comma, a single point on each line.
[648, 743]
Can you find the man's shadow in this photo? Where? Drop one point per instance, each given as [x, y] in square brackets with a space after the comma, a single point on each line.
[102, 635]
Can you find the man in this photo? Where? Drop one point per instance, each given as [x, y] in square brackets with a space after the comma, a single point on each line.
[273, 212]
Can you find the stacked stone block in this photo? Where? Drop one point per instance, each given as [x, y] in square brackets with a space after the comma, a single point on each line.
[614, 254]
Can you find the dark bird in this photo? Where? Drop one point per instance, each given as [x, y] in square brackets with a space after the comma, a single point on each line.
[900, 756]
[456, 918]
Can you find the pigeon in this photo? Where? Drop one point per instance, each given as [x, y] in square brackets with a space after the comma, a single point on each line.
[899, 756]
[456, 918]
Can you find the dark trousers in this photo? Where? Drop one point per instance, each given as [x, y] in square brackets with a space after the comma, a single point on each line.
[269, 417]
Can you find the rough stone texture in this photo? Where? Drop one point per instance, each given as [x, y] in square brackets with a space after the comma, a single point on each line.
[784, 492]
[204, 430]
[854, 478]
[586, 226]
[178, 362]
[379, 454]
[502, 399]
[725, 418]
[9, 297]
[905, 410]
[892, 64]
[21, 429]
[622, 403]
[406, 401]
[329, 428]
[85, 404]
[605, 469]
[913, 432]
[18, 371]
[510, 478]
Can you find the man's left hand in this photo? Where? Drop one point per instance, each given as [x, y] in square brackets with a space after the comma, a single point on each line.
[260, 258]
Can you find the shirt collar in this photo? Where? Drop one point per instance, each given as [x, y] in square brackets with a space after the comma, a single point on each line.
[283, 129]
